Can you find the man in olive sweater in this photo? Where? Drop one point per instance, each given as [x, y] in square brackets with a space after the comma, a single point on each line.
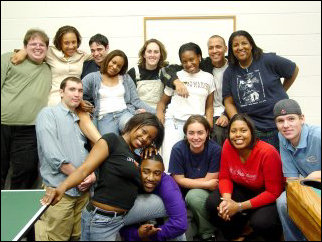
[24, 92]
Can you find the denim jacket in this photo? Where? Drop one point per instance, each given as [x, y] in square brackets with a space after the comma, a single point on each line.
[92, 84]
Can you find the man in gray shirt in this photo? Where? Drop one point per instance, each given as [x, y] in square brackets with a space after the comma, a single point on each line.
[61, 150]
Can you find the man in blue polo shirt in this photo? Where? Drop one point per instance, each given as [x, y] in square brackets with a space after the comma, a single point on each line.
[300, 149]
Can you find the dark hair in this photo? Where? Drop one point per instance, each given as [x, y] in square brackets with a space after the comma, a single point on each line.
[244, 117]
[197, 119]
[218, 36]
[256, 51]
[153, 156]
[190, 47]
[99, 39]
[146, 119]
[163, 54]
[33, 33]
[110, 56]
[64, 30]
[69, 78]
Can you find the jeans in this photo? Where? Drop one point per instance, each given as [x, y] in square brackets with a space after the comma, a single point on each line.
[290, 230]
[173, 132]
[19, 148]
[113, 122]
[147, 207]
[97, 227]
[100, 227]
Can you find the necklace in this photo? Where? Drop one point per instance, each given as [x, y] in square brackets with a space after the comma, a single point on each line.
[246, 67]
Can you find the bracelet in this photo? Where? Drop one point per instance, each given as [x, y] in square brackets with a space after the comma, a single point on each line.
[240, 207]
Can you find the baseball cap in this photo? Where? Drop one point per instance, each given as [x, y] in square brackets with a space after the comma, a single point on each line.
[286, 106]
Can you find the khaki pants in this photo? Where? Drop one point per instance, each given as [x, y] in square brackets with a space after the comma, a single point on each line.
[62, 222]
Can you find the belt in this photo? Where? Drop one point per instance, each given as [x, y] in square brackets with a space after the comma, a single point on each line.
[90, 207]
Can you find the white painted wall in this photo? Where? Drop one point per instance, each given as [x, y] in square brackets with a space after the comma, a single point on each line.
[291, 29]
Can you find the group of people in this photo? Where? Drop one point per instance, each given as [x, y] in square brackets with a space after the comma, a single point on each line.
[206, 144]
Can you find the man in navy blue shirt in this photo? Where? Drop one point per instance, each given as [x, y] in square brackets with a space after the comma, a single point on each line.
[99, 49]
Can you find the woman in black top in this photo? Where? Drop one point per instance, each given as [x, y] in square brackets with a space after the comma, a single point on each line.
[118, 176]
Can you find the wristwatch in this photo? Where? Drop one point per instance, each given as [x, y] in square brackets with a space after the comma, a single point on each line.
[240, 207]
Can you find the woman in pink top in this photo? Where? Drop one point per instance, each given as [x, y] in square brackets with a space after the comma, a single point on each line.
[250, 181]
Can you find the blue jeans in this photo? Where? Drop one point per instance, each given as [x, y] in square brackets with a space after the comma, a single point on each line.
[147, 207]
[290, 230]
[113, 122]
[99, 227]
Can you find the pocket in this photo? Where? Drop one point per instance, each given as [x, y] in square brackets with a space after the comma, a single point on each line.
[99, 220]
[41, 231]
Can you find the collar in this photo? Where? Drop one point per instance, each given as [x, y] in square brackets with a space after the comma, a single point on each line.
[66, 111]
[303, 139]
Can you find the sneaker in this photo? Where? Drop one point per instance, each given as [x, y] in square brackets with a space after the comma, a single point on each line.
[210, 238]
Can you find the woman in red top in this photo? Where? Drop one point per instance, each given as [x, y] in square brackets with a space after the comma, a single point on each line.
[250, 181]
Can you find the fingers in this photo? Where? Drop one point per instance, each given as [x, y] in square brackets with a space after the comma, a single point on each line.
[222, 121]
[48, 197]
[183, 92]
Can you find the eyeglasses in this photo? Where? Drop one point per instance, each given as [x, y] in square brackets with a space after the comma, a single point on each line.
[34, 45]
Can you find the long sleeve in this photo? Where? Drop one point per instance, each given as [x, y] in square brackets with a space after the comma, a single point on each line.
[130, 233]
[47, 138]
[261, 173]
[132, 99]
[273, 179]
[175, 206]
[169, 74]
[225, 182]
[4, 67]
[88, 86]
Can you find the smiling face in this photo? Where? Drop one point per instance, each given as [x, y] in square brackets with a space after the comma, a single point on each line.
[290, 126]
[69, 44]
[142, 137]
[240, 135]
[190, 61]
[196, 136]
[114, 66]
[216, 51]
[242, 49]
[151, 174]
[99, 52]
[36, 49]
[152, 56]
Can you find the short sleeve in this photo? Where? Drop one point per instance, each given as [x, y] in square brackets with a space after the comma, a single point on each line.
[111, 140]
[281, 66]
[176, 165]
[215, 156]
